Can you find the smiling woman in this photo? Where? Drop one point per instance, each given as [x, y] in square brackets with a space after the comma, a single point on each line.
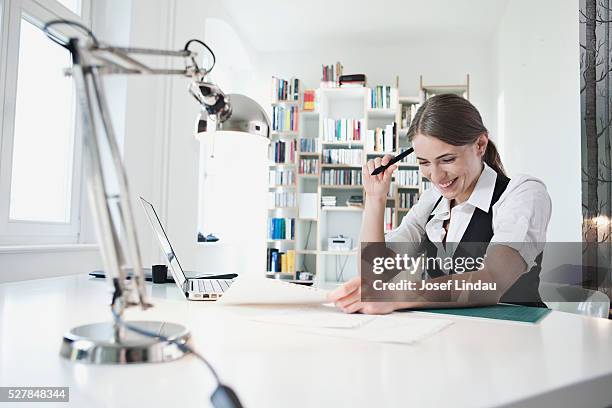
[473, 204]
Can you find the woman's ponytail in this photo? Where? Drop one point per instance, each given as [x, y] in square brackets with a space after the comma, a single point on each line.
[491, 157]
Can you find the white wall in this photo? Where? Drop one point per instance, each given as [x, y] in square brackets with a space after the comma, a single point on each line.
[156, 117]
[538, 95]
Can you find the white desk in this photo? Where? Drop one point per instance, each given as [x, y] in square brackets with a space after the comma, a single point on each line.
[473, 363]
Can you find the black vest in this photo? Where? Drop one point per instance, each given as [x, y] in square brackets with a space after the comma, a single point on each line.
[480, 231]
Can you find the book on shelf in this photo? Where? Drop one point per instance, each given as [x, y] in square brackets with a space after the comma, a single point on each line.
[351, 157]
[388, 218]
[284, 118]
[331, 73]
[381, 140]
[309, 145]
[407, 199]
[283, 152]
[408, 112]
[426, 184]
[328, 201]
[391, 191]
[355, 201]
[281, 199]
[344, 177]
[281, 228]
[309, 166]
[343, 130]
[410, 159]
[283, 90]
[309, 103]
[281, 177]
[380, 97]
[353, 81]
[407, 177]
[277, 261]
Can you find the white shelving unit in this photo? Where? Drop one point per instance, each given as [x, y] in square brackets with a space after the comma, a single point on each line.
[312, 232]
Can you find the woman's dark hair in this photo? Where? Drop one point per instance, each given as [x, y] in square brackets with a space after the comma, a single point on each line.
[453, 120]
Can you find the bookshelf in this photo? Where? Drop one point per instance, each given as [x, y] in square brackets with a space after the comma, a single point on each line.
[347, 127]
[427, 91]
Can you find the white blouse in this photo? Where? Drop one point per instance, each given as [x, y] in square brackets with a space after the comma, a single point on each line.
[520, 216]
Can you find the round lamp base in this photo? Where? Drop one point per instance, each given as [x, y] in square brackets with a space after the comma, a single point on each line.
[98, 343]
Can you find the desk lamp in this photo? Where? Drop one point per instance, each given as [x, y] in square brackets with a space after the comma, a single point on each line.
[119, 341]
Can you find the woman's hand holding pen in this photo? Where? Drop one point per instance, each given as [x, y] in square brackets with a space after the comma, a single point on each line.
[377, 186]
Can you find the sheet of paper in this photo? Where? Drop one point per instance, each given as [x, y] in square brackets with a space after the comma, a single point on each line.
[394, 328]
[262, 291]
[321, 317]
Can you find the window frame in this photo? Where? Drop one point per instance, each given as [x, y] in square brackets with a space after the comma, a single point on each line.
[20, 232]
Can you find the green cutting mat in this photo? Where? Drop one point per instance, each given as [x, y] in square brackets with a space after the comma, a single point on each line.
[500, 312]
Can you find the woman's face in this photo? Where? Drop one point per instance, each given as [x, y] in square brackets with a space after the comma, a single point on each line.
[454, 170]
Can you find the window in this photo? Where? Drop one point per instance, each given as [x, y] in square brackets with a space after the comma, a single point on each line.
[41, 145]
[43, 140]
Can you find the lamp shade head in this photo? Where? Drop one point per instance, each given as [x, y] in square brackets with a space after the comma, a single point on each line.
[246, 116]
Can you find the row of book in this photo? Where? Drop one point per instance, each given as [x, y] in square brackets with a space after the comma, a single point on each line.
[407, 177]
[283, 90]
[309, 100]
[410, 159]
[380, 97]
[309, 166]
[344, 177]
[278, 261]
[343, 130]
[426, 185]
[281, 228]
[381, 140]
[285, 118]
[283, 151]
[407, 199]
[281, 177]
[389, 216]
[309, 145]
[352, 157]
[331, 73]
[328, 201]
[281, 199]
[407, 114]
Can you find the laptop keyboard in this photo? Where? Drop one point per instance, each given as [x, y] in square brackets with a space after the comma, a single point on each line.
[212, 285]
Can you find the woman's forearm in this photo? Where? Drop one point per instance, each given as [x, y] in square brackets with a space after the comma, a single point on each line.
[373, 220]
[502, 268]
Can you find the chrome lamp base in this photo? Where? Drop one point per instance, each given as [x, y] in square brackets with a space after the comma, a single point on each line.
[102, 343]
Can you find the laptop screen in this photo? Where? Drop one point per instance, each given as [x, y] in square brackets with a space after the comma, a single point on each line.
[164, 242]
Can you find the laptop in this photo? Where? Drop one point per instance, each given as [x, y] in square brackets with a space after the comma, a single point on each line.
[192, 288]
